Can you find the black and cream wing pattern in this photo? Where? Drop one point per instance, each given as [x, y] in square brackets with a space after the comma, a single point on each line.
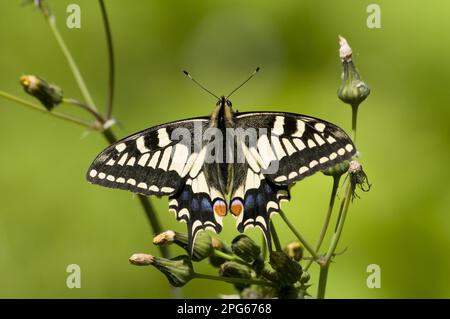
[288, 147]
[165, 161]
[271, 152]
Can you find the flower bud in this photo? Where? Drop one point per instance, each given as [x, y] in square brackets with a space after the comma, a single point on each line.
[289, 271]
[245, 248]
[202, 246]
[353, 90]
[358, 178]
[178, 270]
[294, 250]
[337, 170]
[233, 269]
[48, 94]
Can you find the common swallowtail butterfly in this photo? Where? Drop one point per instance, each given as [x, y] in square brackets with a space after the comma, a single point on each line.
[254, 157]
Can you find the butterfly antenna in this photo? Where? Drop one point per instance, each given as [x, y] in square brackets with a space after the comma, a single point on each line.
[254, 72]
[193, 80]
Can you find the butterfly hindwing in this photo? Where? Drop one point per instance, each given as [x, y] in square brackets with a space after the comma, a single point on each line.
[199, 204]
[254, 199]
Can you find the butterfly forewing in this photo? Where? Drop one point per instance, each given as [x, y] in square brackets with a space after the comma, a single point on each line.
[151, 162]
[295, 146]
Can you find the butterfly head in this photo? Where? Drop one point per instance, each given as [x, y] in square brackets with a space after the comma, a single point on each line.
[224, 101]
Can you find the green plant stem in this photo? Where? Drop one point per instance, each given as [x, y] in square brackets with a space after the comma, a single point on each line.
[354, 120]
[111, 138]
[154, 222]
[73, 66]
[326, 222]
[85, 107]
[150, 213]
[234, 280]
[337, 234]
[263, 247]
[323, 277]
[41, 109]
[91, 108]
[276, 239]
[145, 203]
[109, 42]
[334, 242]
[302, 240]
[229, 257]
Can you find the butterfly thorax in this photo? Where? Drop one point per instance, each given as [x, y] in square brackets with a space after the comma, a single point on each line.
[222, 119]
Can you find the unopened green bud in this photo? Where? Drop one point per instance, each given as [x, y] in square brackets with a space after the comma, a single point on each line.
[233, 269]
[178, 270]
[337, 170]
[48, 94]
[353, 90]
[288, 270]
[304, 278]
[258, 265]
[202, 246]
[219, 245]
[245, 248]
[294, 250]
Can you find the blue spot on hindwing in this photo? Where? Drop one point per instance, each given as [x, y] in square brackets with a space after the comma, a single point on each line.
[206, 205]
[195, 205]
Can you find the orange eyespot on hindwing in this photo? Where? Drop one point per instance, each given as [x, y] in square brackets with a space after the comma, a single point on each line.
[220, 208]
[236, 207]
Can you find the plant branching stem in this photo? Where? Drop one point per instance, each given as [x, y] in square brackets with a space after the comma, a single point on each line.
[326, 222]
[302, 240]
[70, 60]
[145, 203]
[41, 109]
[85, 107]
[234, 280]
[334, 242]
[111, 76]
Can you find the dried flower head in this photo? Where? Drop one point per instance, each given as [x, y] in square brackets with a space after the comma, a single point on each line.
[353, 90]
[202, 246]
[49, 95]
[358, 178]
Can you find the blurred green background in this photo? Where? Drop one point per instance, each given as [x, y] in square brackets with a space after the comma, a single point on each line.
[51, 217]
